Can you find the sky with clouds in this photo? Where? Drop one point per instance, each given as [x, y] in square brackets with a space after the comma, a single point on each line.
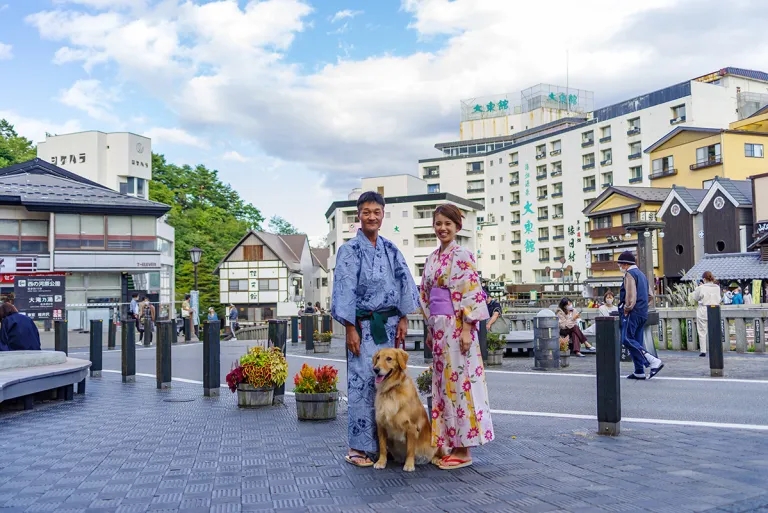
[293, 101]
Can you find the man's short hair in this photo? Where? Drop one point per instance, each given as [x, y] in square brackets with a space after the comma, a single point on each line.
[370, 197]
[135, 294]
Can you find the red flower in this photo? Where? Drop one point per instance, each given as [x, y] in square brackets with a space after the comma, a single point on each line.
[439, 366]
[479, 371]
[454, 376]
[441, 405]
[452, 432]
[488, 435]
[457, 333]
[435, 413]
[456, 296]
[466, 385]
[473, 279]
[439, 334]
[463, 265]
[437, 350]
[479, 297]
[479, 415]
[473, 433]
[440, 441]
[460, 413]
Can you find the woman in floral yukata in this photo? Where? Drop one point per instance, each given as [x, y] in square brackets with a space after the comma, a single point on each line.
[454, 303]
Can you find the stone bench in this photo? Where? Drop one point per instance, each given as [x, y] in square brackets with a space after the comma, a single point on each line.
[26, 373]
[518, 341]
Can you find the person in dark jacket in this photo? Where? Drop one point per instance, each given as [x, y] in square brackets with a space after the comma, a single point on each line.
[17, 331]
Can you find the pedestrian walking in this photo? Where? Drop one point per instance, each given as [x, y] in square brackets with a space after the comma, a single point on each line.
[373, 292]
[706, 294]
[454, 304]
[633, 307]
[233, 325]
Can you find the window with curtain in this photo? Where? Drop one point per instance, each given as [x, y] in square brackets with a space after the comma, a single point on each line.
[92, 232]
[9, 236]
[67, 231]
[144, 235]
[118, 232]
[34, 236]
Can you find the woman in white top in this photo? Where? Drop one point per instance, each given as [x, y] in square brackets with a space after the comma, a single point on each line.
[605, 310]
[707, 294]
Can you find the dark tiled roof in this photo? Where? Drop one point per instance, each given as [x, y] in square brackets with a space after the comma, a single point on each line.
[691, 197]
[43, 187]
[321, 256]
[741, 190]
[730, 266]
[645, 193]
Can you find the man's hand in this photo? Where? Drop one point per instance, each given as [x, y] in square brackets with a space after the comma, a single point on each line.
[402, 332]
[353, 340]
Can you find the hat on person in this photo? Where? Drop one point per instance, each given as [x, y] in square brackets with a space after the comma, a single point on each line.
[627, 258]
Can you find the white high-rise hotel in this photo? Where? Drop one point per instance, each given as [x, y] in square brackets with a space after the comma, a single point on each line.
[535, 159]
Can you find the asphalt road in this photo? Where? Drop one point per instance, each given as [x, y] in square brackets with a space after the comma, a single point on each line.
[520, 393]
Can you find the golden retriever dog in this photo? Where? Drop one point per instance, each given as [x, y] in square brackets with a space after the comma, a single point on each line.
[404, 428]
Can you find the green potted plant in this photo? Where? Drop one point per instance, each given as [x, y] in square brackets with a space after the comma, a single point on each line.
[424, 386]
[565, 353]
[255, 376]
[317, 396]
[322, 341]
[496, 348]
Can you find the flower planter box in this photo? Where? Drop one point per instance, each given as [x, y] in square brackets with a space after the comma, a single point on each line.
[495, 357]
[317, 406]
[565, 359]
[251, 397]
[322, 347]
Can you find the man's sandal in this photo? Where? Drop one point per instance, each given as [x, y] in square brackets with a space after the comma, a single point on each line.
[358, 460]
[453, 463]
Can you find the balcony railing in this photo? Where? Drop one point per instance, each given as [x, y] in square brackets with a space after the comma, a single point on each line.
[606, 162]
[557, 216]
[514, 182]
[542, 196]
[544, 259]
[431, 175]
[635, 156]
[636, 179]
[540, 156]
[589, 188]
[559, 237]
[663, 173]
[514, 202]
[605, 139]
[513, 163]
[599, 233]
[714, 161]
[590, 165]
[554, 152]
[605, 266]
[544, 238]
[677, 120]
[556, 172]
[587, 143]
[475, 171]
[516, 241]
[471, 190]
[633, 131]
[606, 185]
[515, 221]
[543, 218]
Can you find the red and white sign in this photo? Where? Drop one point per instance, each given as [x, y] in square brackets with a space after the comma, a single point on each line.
[7, 279]
[18, 264]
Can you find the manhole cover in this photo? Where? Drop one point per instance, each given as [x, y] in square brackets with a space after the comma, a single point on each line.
[178, 400]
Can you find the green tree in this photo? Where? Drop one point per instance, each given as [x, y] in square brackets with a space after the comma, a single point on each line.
[14, 148]
[281, 226]
[205, 212]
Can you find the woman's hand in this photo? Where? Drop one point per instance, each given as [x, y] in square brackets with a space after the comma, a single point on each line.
[466, 338]
[428, 342]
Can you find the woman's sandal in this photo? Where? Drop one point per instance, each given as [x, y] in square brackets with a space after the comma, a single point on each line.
[459, 463]
[355, 459]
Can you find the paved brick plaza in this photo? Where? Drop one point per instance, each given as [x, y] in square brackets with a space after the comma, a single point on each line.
[131, 448]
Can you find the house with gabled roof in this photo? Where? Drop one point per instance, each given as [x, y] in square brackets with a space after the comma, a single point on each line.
[265, 269]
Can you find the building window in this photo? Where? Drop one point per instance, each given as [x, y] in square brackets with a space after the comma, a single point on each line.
[493, 257]
[708, 154]
[513, 159]
[589, 183]
[74, 231]
[753, 150]
[634, 126]
[134, 187]
[587, 138]
[118, 232]
[607, 179]
[419, 270]
[433, 188]
[92, 232]
[324, 282]
[607, 157]
[238, 285]
[605, 133]
[253, 253]
[602, 222]
[493, 238]
[678, 114]
[474, 168]
[143, 233]
[628, 217]
[405, 242]
[268, 285]
[588, 160]
[350, 218]
[426, 241]
[380, 190]
[664, 166]
[635, 174]
[431, 172]
[23, 236]
[635, 151]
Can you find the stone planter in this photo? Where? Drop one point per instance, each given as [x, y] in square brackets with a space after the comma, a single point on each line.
[565, 359]
[317, 406]
[495, 357]
[322, 347]
[251, 397]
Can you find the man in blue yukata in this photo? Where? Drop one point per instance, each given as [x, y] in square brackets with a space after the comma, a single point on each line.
[373, 292]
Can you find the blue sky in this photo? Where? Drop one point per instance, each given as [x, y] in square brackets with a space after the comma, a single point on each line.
[293, 101]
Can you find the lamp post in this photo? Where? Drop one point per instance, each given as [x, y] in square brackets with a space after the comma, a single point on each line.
[577, 274]
[194, 254]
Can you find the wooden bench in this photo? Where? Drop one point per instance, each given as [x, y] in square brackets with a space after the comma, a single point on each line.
[26, 373]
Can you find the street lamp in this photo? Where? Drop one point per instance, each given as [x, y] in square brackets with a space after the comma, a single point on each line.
[194, 255]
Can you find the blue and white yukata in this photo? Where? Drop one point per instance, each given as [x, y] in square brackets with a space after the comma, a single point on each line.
[372, 288]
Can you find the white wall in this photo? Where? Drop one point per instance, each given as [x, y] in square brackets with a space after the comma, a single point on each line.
[395, 185]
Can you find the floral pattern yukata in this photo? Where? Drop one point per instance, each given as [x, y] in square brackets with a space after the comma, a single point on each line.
[461, 416]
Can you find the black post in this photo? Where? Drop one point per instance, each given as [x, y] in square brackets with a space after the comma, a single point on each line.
[147, 330]
[165, 333]
[112, 335]
[327, 323]
[277, 335]
[307, 329]
[482, 337]
[294, 329]
[211, 358]
[608, 341]
[128, 351]
[96, 347]
[714, 341]
[427, 349]
[187, 329]
[61, 342]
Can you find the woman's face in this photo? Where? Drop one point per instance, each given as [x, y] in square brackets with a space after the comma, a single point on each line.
[445, 229]
[609, 299]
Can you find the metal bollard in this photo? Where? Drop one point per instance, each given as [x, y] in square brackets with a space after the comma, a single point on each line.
[278, 337]
[97, 349]
[294, 329]
[61, 341]
[112, 335]
[546, 341]
[307, 331]
[128, 351]
[482, 338]
[187, 329]
[211, 358]
[427, 350]
[163, 354]
[715, 347]
[147, 338]
[327, 326]
[608, 364]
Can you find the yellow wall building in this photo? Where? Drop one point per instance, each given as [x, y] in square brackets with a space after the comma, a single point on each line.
[608, 213]
[691, 156]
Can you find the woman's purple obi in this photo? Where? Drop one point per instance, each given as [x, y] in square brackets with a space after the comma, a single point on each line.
[440, 301]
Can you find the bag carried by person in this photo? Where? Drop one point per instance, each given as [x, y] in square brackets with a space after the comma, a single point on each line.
[500, 326]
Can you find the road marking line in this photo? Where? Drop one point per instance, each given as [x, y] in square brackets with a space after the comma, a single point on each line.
[571, 416]
[565, 375]
[138, 348]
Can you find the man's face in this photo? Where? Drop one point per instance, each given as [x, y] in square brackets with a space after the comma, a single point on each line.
[371, 215]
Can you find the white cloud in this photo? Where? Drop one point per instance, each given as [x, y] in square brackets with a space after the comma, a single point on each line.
[174, 136]
[6, 52]
[35, 129]
[90, 97]
[234, 157]
[4, 7]
[346, 13]
[222, 68]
